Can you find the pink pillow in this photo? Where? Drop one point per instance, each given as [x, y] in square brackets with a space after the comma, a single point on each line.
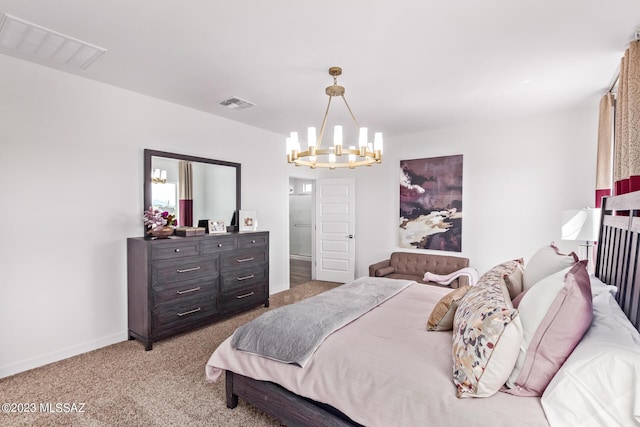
[555, 314]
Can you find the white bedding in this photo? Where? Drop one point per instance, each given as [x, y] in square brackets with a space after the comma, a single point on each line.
[385, 369]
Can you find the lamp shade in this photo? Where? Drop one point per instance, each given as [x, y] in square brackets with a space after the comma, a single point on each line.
[581, 224]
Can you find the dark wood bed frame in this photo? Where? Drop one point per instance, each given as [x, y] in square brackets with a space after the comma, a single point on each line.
[619, 249]
[616, 264]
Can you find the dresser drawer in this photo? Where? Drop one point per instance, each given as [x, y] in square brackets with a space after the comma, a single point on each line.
[243, 259]
[185, 289]
[164, 272]
[245, 297]
[252, 240]
[172, 249]
[169, 317]
[212, 245]
[232, 280]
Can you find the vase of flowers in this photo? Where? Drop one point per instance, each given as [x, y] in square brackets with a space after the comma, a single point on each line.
[160, 224]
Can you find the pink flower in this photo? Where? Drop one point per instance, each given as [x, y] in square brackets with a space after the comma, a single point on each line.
[155, 219]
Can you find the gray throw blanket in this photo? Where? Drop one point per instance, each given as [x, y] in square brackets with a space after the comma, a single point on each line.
[291, 334]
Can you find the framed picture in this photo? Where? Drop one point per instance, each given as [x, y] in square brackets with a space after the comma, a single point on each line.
[216, 226]
[431, 203]
[248, 221]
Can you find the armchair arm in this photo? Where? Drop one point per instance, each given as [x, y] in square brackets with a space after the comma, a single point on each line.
[374, 269]
[463, 280]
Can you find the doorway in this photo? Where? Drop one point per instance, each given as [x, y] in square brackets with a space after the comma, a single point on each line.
[301, 208]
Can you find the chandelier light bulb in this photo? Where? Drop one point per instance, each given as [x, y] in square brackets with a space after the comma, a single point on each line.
[352, 157]
[363, 137]
[337, 135]
[311, 137]
[294, 141]
[377, 142]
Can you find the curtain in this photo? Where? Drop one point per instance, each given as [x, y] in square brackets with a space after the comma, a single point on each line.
[605, 148]
[627, 123]
[185, 194]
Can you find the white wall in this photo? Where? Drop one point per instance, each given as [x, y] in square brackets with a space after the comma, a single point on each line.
[518, 177]
[71, 190]
[71, 173]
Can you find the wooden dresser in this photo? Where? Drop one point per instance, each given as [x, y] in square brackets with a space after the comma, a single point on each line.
[181, 283]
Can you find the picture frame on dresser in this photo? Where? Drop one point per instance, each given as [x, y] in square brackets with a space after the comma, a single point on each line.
[248, 220]
[216, 226]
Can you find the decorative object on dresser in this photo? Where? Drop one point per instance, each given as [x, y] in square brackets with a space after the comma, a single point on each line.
[159, 223]
[178, 284]
[217, 226]
[190, 231]
[248, 220]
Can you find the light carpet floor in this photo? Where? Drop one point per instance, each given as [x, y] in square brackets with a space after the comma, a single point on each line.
[123, 385]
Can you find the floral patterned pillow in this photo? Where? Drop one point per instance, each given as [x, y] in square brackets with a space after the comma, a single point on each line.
[487, 334]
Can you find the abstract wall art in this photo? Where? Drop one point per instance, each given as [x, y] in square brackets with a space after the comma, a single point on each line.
[431, 203]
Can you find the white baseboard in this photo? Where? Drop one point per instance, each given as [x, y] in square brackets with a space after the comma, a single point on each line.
[277, 289]
[45, 359]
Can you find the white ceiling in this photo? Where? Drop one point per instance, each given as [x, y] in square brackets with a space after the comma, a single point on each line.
[408, 65]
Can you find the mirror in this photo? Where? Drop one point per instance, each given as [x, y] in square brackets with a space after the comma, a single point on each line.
[214, 187]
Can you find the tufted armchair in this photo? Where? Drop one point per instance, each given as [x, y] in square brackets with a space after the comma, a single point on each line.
[412, 266]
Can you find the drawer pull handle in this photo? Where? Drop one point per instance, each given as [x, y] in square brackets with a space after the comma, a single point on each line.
[219, 245]
[195, 310]
[186, 270]
[245, 259]
[186, 291]
[177, 249]
[245, 295]
[253, 241]
[251, 276]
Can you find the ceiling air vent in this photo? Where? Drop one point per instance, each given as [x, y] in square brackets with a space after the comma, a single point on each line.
[36, 41]
[236, 103]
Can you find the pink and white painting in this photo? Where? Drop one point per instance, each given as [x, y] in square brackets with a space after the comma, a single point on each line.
[431, 203]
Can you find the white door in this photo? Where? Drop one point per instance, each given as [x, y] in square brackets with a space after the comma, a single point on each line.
[335, 228]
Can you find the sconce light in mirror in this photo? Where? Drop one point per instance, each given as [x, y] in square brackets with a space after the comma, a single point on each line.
[159, 176]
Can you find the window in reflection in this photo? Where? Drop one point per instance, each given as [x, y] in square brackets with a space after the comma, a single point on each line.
[164, 197]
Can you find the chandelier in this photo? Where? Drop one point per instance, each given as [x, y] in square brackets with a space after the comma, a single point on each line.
[337, 156]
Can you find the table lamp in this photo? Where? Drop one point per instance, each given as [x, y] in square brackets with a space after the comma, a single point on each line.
[582, 225]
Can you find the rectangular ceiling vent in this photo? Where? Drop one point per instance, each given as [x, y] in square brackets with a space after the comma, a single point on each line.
[46, 44]
[236, 103]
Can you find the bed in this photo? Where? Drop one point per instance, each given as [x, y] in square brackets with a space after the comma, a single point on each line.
[385, 369]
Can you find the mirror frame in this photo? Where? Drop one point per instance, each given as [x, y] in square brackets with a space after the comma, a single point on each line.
[148, 154]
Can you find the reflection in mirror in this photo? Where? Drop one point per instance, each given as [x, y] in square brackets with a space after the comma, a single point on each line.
[191, 188]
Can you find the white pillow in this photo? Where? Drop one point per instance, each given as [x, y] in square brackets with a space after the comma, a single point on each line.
[599, 384]
[546, 261]
[597, 287]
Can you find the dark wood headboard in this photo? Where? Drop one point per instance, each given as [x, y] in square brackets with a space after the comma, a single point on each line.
[619, 250]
